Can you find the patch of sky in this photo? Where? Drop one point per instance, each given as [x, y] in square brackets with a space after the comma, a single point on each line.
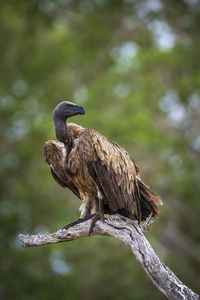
[162, 34]
[121, 90]
[144, 8]
[194, 101]
[59, 265]
[196, 143]
[171, 104]
[20, 128]
[191, 2]
[17, 131]
[124, 55]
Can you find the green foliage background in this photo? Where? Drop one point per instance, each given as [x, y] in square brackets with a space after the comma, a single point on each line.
[135, 66]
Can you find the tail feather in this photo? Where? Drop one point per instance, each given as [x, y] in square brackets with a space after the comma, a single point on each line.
[149, 201]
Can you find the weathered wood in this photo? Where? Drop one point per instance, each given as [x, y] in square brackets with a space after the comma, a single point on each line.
[130, 233]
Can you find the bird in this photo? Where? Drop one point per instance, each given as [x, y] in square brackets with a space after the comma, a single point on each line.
[97, 170]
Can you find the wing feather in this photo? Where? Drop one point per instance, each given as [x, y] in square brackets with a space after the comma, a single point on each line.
[115, 173]
[111, 168]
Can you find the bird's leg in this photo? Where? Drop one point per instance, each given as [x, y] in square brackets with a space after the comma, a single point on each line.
[94, 206]
[80, 220]
[147, 223]
[99, 215]
[85, 208]
[85, 214]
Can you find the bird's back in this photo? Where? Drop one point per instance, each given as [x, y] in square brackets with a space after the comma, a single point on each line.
[115, 174]
[93, 163]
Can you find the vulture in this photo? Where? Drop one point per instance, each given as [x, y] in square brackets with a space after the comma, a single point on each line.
[97, 170]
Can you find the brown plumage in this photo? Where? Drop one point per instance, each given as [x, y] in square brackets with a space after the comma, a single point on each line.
[97, 170]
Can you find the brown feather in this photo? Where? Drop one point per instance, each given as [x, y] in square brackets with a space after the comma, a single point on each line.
[93, 163]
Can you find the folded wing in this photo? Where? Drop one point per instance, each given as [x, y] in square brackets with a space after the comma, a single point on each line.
[116, 175]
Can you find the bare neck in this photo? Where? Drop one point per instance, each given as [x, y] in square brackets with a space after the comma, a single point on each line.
[62, 132]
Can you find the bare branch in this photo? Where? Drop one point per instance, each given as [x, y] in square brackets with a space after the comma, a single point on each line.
[131, 234]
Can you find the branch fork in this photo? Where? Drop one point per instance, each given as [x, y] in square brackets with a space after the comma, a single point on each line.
[130, 233]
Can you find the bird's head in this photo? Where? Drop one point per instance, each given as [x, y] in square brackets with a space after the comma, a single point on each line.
[62, 112]
[66, 109]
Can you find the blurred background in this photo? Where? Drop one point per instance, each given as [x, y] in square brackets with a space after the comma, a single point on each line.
[135, 67]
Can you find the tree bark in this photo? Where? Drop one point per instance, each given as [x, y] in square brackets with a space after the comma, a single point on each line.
[131, 234]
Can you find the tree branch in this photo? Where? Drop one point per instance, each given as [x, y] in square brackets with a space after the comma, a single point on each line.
[131, 234]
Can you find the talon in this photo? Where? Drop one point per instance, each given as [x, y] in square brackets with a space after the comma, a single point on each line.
[97, 216]
[71, 224]
[80, 220]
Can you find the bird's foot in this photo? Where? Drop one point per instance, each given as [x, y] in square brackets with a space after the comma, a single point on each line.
[96, 216]
[147, 223]
[78, 221]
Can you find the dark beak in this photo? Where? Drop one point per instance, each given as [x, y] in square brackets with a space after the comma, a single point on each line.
[76, 110]
[81, 110]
